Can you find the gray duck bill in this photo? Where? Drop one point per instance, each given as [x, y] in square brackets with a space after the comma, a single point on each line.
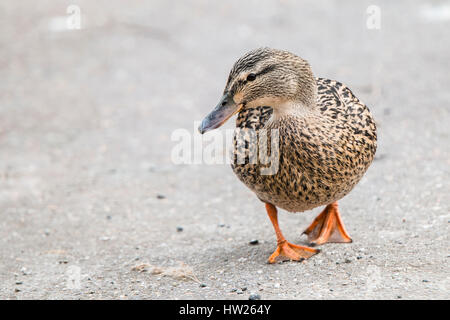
[224, 110]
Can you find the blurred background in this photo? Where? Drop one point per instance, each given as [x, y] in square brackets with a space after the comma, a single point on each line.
[92, 205]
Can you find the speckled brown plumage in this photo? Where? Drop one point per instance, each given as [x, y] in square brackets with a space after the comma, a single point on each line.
[320, 140]
[323, 155]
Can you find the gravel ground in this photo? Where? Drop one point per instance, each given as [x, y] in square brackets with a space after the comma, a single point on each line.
[93, 207]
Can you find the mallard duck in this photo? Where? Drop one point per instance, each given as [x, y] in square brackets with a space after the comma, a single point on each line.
[326, 141]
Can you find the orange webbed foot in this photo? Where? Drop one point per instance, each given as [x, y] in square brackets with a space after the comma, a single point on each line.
[291, 252]
[328, 227]
[285, 250]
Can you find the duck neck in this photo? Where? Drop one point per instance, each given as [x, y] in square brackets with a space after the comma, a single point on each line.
[291, 108]
[304, 100]
[304, 105]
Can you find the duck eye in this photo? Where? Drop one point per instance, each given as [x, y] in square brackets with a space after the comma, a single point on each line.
[251, 77]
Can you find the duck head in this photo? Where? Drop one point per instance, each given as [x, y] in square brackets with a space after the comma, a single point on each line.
[265, 77]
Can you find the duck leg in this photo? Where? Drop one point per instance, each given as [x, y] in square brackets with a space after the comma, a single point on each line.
[328, 227]
[286, 250]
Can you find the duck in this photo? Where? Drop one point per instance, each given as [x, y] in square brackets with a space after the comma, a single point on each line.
[300, 143]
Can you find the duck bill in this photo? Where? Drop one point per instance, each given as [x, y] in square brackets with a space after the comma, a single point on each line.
[224, 110]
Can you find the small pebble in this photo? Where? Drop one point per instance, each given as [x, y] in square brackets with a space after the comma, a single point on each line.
[179, 229]
[160, 196]
[24, 271]
[424, 280]
[233, 290]
[254, 296]
[16, 290]
[244, 288]
[254, 242]
[19, 282]
[221, 225]
[348, 261]
[202, 285]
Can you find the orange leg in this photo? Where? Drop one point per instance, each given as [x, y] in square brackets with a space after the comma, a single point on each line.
[286, 250]
[328, 227]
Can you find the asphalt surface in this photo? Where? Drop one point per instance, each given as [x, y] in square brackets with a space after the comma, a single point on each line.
[92, 205]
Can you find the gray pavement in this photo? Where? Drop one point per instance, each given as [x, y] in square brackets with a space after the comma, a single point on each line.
[90, 199]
